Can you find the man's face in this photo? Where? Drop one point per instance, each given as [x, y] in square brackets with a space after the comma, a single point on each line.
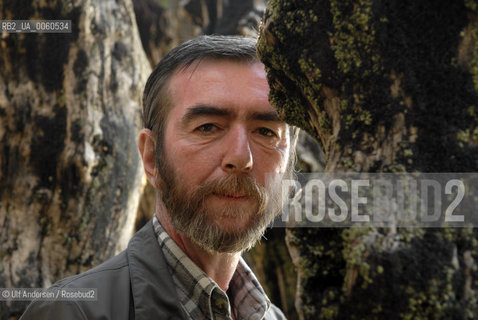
[221, 139]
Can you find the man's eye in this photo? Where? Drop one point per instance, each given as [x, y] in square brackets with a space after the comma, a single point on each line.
[206, 128]
[267, 132]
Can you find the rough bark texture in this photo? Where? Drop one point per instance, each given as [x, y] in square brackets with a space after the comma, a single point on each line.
[225, 17]
[153, 25]
[273, 266]
[384, 86]
[70, 173]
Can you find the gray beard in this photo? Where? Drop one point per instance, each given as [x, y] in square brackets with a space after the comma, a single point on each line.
[189, 213]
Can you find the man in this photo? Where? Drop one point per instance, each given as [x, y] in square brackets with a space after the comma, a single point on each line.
[210, 139]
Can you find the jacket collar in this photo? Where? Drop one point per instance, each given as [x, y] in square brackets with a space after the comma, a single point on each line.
[153, 289]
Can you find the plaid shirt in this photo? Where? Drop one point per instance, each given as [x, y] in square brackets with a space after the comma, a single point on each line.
[201, 297]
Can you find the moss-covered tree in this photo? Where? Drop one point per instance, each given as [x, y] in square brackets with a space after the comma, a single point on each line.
[384, 86]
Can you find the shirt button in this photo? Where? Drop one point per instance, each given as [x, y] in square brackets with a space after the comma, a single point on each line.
[221, 304]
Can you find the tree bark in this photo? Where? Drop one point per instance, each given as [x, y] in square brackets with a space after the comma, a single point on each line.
[153, 25]
[70, 175]
[225, 17]
[384, 86]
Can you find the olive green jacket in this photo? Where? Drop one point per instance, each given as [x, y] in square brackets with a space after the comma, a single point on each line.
[135, 284]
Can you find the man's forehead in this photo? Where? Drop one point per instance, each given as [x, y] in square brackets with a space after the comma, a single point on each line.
[204, 83]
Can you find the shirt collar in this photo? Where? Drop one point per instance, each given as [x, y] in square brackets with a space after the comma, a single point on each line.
[201, 297]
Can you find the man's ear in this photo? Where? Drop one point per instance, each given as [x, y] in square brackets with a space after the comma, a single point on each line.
[147, 150]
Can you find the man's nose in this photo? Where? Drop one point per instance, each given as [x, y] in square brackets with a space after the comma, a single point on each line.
[238, 155]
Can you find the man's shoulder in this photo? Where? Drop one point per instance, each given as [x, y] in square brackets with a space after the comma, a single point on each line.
[107, 271]
[132, 285]
[110, 282]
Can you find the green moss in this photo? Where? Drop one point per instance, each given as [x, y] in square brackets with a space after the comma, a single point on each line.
[474, 34]
[297, 22]
[354, 253]
[356, 53]
[312, 73]
[326, 313]
[294, 96]
[354, 38]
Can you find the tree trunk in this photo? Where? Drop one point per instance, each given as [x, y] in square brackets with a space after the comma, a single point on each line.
[224, 17]
[384, 86]
[70, 175]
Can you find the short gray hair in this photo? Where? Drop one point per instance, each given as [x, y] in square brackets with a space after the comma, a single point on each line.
[156, 102]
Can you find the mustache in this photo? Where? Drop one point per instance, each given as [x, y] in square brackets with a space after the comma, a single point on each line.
[232, 186]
